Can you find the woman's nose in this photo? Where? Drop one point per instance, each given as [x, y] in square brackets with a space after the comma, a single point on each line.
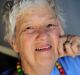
[42, 35]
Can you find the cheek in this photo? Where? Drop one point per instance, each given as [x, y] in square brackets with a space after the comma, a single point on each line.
[55, 41]
[55, 37]
[27, 43]
[26, 46]
[56, 32]
[27, 49]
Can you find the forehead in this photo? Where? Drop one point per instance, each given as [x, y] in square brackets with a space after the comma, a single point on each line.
[40, 11]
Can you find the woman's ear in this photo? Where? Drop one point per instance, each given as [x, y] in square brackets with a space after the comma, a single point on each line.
[61, 28]
[13, 44]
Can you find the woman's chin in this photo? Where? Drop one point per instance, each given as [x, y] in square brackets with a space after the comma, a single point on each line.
[46, 62]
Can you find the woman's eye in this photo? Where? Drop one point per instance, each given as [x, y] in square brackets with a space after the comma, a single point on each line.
[28, 27]
[29, 30]
[51, 26]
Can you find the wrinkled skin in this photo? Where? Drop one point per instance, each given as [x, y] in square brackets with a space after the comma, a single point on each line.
[37, 40]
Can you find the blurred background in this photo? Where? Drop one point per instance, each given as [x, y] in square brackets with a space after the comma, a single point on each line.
[71, 20]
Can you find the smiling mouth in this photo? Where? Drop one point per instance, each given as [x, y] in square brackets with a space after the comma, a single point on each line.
[45, 48]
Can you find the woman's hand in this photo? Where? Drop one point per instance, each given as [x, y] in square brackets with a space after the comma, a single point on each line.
[69, 45]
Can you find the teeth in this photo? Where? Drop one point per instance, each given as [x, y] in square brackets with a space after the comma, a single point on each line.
[44, 48]
[38, 49]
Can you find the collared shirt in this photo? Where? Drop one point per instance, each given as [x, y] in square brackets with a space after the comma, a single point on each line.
[71, 66]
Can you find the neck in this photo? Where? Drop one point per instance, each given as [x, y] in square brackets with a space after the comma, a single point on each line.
[38, 70]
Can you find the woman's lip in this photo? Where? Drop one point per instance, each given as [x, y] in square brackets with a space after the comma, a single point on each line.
[46, 48]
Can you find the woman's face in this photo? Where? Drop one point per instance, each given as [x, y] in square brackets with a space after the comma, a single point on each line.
[37, 36]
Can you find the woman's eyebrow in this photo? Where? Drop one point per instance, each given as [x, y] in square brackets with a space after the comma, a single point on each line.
[53, 17]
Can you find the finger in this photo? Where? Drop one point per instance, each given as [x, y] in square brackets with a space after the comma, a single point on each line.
[68, 49]
[76, 45]
[67, 45]
[75, 48]
[78, 42]
[60, 46]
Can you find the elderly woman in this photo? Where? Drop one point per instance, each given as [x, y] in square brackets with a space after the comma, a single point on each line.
[34, 31]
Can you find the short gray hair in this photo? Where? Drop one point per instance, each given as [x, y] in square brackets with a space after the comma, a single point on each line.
[10, 16]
